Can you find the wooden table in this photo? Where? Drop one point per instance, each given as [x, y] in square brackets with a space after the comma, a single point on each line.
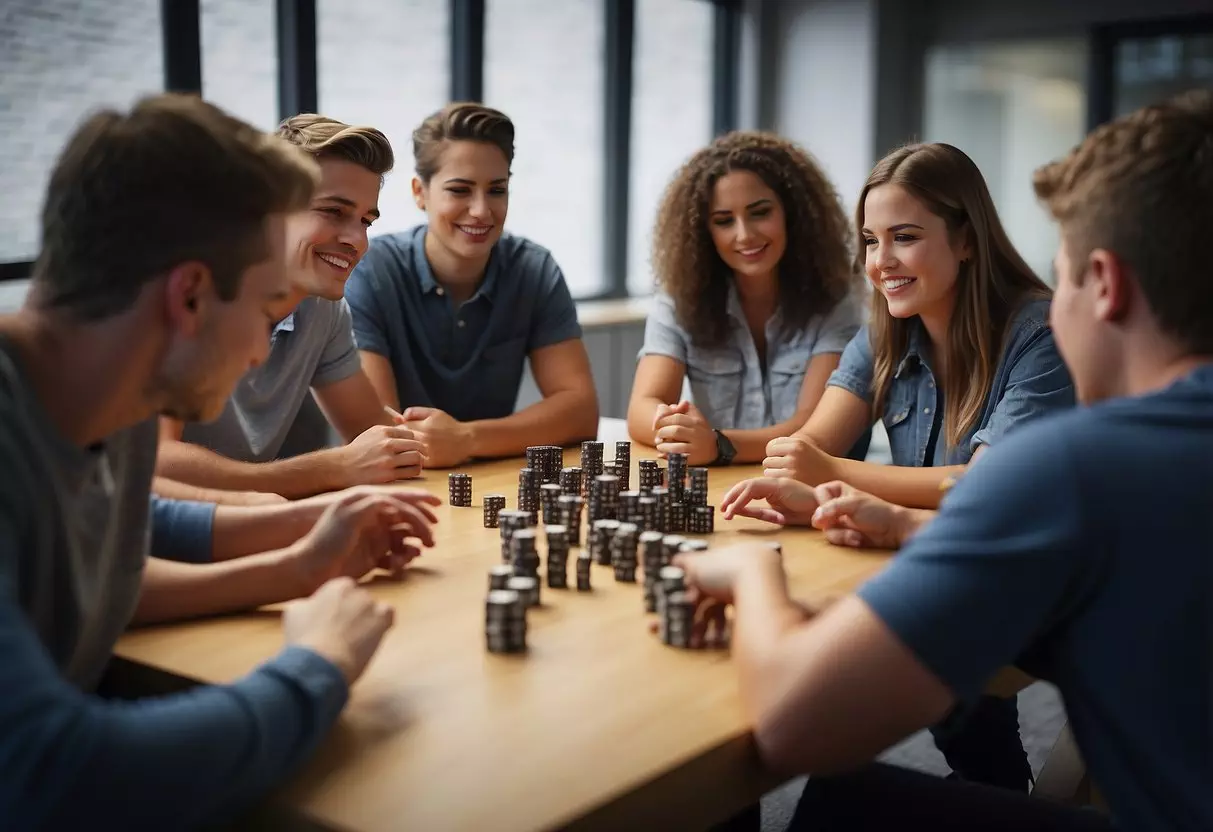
[598, 727]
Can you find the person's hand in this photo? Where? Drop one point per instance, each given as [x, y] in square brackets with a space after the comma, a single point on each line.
[342, 623]
[381, 454]
[681, 429]
[799, 459]
[850, 517]
[448, 441]
[712, 577]
[362, 530]
[789, 502]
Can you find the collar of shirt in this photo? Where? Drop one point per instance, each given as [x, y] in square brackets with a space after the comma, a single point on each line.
[287, 324]
[916, 349]
[425, 274]
[773, 325]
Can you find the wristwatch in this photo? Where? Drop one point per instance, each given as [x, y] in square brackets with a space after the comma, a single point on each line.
[724, 449]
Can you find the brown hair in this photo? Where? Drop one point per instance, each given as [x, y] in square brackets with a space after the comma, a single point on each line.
[187, 180]
[994, 281]
[1142, 187]
[460, 121]
[327, 138]
[815, 272]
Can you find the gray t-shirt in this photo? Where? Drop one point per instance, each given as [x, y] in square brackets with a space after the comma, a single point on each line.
[312, 347]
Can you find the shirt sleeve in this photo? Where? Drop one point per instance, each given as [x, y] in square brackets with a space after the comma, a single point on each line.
[339, 360]
[969, 592]
[854, 371]
[1037, 384]
[839, 326]
[555, 313]
[68, 758]
[181, 529]
[369, 323]
[662, 334]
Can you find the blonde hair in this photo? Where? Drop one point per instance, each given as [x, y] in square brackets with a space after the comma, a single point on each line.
[327, 138]
[994, 281]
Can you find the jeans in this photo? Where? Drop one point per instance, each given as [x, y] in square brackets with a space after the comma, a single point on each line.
[981, 744]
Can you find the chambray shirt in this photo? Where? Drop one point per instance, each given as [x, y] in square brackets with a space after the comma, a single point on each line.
[468, 360]
[1029, 381]
[729, 385]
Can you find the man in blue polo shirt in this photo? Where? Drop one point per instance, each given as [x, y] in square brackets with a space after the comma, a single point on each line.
[1079, 548]
[447, 314]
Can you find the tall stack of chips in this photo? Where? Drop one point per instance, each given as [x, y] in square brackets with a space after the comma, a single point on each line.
[648, 513]
[600, 540]
[650, 475]
[528, 490]
[510, 521]
[676, 518]
[677, 616]
[558, 557]
[545, 459]
[591, 464]
[460, 486]
[570, 481]
[623, 464]
[623, 552]
[629, 506]
[570, 516]
[493, 505]
[584, 571]
[498, 575]
[697, 493]
[701, 520]
[670, 579]
[524, 556]
[604, 497]
[505, 622]
[676, 476]
[549, 496]
[527, 587]
[652, 551]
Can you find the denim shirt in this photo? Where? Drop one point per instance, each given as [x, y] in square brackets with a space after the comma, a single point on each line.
[1029, 381]
[728, 383]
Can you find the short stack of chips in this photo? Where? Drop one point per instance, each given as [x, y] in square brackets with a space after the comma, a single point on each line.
[676, 476]
[498, 575]
[558, 556]
[549, 501]
[623, 464]
[461, 489]
[677, 616]
[648, 513]
[652, 551]
[623, 552]
[570, 516]
[701, 520]
[493, 505]
[670, 579]
[546, 460]
[528, 490]
[676, 518]
[527, 588]
[661, 495]
[591, 464]
[650, 475]
[524, 555]
[697, 493]
[570, 481]
[629, 506]
[604, 498]
[693, 546]
[584, 571]
[671, 545]
[505, 622]
[601, 533]
[510, 521]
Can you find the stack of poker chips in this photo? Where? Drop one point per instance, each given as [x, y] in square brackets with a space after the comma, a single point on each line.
[591, 464]
[570, 516]
[570, 481]
[493, 505]
[510, 521]
[608, 469]
[623, 464]
[601, 533]
[697, 494]
[623, 552]
[670, 579]
[528, 490]
[676, 476]
[652, 551]
[650, 475]
[583, 571]
[524, 556]
[461, 489]
[629, 506]
[677, 616]
[701, 520]
[527, 587]
[676, 518]
[604, 498]
[558, 556]
[549, 496]
[671, 545]
[505, 622]
[693, 546]
[498, 575]
[662, 495]
[649, 513]
[546, 460]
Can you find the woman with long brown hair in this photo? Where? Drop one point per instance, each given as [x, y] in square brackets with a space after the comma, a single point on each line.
[755, 306]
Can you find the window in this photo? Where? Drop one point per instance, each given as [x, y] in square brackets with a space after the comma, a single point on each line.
[543, 67]
[240, 59]
[386, 65]
[60, 59]
[1011, 107]
[671, 113]
[1150, 70]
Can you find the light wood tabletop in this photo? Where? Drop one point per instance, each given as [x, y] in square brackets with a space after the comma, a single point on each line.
[599, 725]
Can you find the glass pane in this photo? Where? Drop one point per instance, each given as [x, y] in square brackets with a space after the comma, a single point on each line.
[543, 67]
[240, 59]
[671, 113]
[61, 60]
[1149, 70]
[1012, 107]
[385, 64]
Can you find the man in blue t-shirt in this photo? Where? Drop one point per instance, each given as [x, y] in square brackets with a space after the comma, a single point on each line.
[1078, 548]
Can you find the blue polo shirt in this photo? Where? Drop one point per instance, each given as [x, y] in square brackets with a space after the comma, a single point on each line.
[468, 360]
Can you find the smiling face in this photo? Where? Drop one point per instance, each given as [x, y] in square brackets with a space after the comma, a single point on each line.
[326, 241]
[746, 218]
[911, 256]
[467, 198]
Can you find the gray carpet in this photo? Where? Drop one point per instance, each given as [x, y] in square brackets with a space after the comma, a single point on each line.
[1040, 721]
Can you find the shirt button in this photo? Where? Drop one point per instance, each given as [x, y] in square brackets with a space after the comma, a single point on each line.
[441, 291]
[459, 323]
[931, 384]
[927, 411]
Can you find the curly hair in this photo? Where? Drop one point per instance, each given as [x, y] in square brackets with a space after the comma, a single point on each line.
[816, 270]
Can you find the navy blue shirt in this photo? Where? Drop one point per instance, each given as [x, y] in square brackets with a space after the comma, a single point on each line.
[1081, 549]
[467, 361]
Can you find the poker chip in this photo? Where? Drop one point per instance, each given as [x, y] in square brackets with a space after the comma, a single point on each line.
[460, 486]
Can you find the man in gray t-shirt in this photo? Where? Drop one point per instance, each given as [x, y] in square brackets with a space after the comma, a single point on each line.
[311, 349]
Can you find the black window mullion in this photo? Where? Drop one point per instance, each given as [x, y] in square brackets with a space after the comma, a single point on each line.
[467, 50]
[726, 66]
[297, 69]
[619, 41]
[181, 33]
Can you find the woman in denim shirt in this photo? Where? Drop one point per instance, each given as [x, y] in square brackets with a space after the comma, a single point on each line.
[751, 255]
[957, 352]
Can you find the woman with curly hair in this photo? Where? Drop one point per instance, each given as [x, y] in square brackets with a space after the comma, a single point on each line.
[755, 304]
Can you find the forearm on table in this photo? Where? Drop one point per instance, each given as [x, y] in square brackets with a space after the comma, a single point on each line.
[245, 530]
[174, 490]
[562, 418]
[300, 476]
[900, 484]
[640, 420]
[173, 591]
